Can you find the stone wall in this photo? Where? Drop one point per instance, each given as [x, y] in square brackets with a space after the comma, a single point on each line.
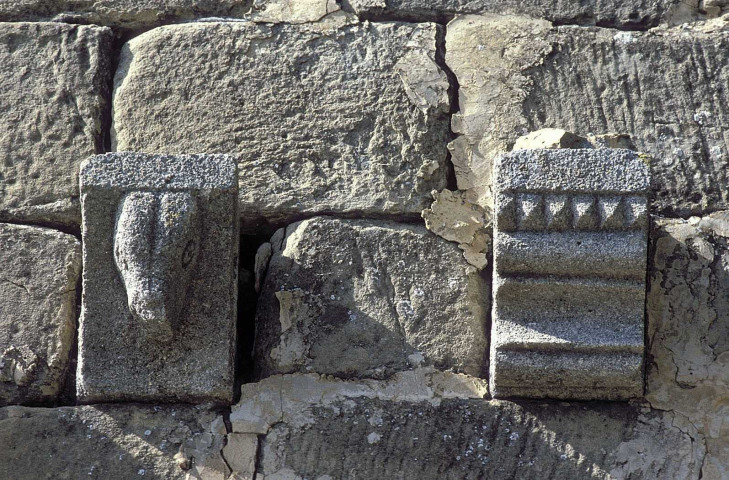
[363, 135]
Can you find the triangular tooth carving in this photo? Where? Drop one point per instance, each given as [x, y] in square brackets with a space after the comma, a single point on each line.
[557, 210]
[636, 212]
[531, 212]
[506, 212]
[585, 212]
[612, 214]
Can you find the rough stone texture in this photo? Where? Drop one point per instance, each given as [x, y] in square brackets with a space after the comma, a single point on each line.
[111, 442]
[453, 217]
[550, 138]
[291, 11]
[240, 453]
[158, 315]
[601, 12]
[54, 91]
[416, 427]
[132, 14]
[666, 88]
[334, 116]
[39, 271]
[688, 329]
[570, 250]
[364, 298]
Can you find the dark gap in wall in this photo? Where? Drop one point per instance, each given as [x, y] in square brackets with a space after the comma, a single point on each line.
[74, 230]
[487, 275]
[67, 396]
[247, 301]
[119, 40]
[267, 229]
[385, 14]
[440, 54]
[653, 232]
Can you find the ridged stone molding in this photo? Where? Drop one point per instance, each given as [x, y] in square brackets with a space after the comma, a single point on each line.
[570, 247]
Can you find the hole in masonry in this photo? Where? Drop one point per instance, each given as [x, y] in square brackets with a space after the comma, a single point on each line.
[247, 300]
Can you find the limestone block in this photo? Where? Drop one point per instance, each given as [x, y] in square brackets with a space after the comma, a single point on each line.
[688, 329]
[334, 116]
[54, 92]
[665, 88]
[644, 13]
[160, 236]
[39, 271]
[240, 454]
[411, 428]
[111, 442]
[570, 249]
[358, 298]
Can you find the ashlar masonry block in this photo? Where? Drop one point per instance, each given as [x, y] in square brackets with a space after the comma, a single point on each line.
[570, 249]
[160, 252]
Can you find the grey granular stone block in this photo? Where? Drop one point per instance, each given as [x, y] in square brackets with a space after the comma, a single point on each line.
[665, 87]
[160, 236]
[478, 439]
[39, 272]
[54, 94]
[357, 298]
[111, 442]
[327, 117]
[570, 249]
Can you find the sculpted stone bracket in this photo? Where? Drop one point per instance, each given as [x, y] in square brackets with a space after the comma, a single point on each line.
[570, 252]
[160, 244]
[156, 248]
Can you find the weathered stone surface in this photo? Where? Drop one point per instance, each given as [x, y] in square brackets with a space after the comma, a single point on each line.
[132, 14]
[291, 11]
[550, 138]
[160, 236]
[570, 249]
[111, 441]
[39, 271]
[688, 329]
[453, 217]
[54, 91]
[293, 399]
[334, 116]
[358, 298]
[665, 88]
[240, 453]
[412, 427]
[601, 12]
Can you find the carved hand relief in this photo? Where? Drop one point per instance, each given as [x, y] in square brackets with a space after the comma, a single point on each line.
[570, 252]
[160, 245]
[156, 247]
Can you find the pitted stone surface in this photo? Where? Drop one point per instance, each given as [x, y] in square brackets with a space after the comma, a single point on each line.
[39, 271]
[570, 247]
[54, 92]
[602, 12]
[688, 329]
[334, 116]
[112, 442]
[665, 88]
[421, 425]
[357, 298]
[158, 313]
[133, 14]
